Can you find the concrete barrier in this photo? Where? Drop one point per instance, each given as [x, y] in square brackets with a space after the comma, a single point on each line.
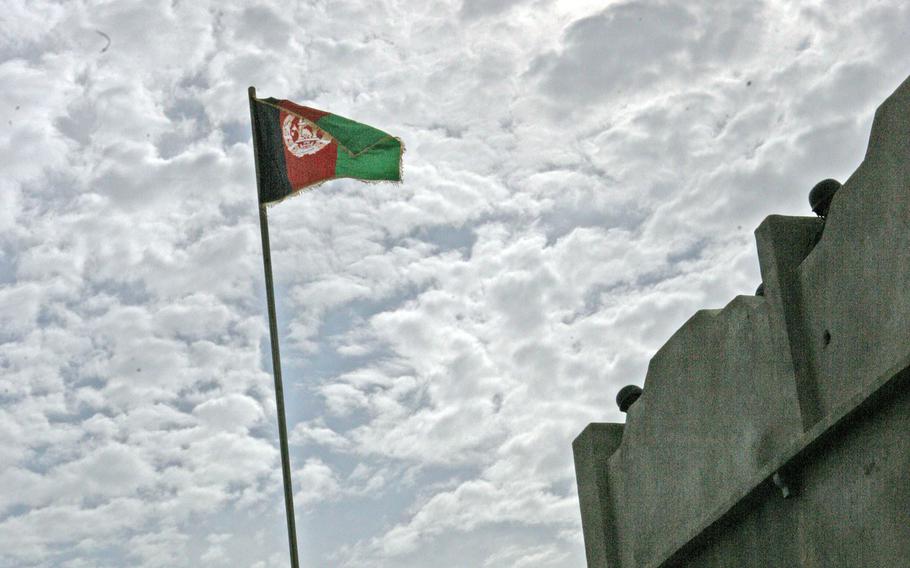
[804, 391]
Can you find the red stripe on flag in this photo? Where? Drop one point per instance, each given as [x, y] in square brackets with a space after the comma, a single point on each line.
[308, 113]
[309, 153]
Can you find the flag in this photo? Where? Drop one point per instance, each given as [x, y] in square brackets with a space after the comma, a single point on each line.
[299, 147]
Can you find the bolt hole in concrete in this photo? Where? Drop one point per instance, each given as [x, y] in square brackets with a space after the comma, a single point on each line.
[826, 337]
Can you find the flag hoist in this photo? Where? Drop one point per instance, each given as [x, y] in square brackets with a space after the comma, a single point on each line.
[296, 148]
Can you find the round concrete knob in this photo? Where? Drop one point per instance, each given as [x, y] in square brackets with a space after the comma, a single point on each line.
[626, 396]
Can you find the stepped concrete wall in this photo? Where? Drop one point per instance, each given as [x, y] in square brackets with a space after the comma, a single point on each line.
[810, 381]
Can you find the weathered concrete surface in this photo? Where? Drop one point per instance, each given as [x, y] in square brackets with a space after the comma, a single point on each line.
[783, 243]
[591, 449]
[852, 506]
[856, 283]
[795, 380]
[706, 400]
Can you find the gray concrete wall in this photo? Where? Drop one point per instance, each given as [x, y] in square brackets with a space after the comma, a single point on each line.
[852, 506]
[591, 449]
[856, 283]
[770, 383]
[783, 243]
[714, 394]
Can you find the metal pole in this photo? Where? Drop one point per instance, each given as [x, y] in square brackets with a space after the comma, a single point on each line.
[276, 359]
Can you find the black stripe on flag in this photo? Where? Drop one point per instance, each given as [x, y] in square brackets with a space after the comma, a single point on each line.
[273, 174]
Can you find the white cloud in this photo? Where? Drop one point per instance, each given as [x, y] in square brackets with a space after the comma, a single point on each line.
[317, 433]
[520, 557]
[579, 179]
[316, 482]
[229, 412]
[620, 50]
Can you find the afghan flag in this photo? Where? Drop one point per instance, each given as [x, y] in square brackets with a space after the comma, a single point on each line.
[298, 147]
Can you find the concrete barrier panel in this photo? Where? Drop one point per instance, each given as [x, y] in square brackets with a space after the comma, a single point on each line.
[776, 431]
[715, 408]
[855, 284]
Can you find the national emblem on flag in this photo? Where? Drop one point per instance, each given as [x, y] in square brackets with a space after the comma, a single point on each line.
[299, 147]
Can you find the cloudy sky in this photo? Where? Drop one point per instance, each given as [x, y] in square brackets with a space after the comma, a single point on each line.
[580, 177]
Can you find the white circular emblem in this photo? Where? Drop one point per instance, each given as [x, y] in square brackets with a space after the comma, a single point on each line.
[301, 137]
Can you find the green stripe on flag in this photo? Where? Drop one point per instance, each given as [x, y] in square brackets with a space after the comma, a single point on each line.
[354, 136]
[381, 161]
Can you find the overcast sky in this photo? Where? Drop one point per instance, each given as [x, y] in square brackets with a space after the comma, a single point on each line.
[580, 178]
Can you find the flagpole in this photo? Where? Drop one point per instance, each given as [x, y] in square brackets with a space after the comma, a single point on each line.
[276, 359]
